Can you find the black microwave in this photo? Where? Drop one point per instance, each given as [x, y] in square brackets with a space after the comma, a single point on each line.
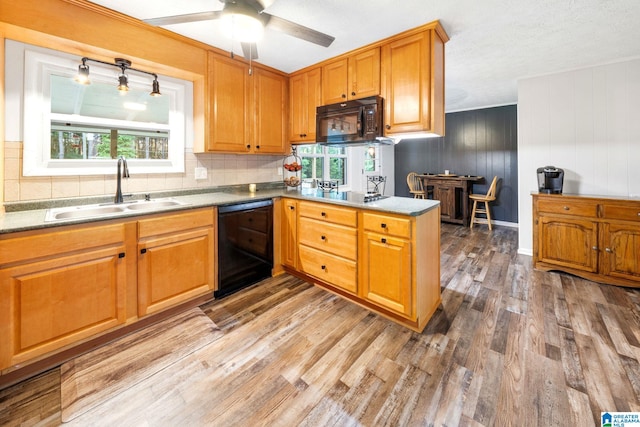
[357, 121]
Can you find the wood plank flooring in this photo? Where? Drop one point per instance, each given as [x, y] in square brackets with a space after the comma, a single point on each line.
[508, 346]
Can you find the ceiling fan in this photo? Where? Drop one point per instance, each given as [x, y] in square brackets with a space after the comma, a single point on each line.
[250, 15]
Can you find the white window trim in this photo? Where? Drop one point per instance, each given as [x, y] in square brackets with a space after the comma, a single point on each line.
[39, 63]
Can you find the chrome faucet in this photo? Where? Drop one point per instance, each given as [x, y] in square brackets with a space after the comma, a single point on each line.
[122, 162]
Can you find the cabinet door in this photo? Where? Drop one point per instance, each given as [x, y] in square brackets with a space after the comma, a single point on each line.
[620, 249]
[173, 268]
[305, 96]
[49, 304]
[386, 272]
[364, 74]
[270, 97]
[334, 81]
[406, 79]
[289, 233]
[229, 101]
[568, 242]
[446, 196]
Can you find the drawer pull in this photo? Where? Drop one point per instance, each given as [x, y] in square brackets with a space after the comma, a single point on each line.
[291, 207]
[638, 213]
[143, 251]
[324, 267]
[383, 240]
[566, 208]
[608, 250]
[383, 225]
[323, 214]
[323, 237]
[121, 255]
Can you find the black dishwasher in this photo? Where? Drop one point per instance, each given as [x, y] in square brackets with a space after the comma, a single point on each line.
[245, 245]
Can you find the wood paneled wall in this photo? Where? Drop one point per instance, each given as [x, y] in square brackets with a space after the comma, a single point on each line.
[477, 142]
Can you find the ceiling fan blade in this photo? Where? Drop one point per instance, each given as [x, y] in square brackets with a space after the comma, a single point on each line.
[181, 19]
[249, 50]
[298, 31]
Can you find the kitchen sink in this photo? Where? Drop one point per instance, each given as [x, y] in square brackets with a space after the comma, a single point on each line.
[100, 211]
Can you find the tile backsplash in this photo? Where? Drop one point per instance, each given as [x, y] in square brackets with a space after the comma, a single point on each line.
[222, 169]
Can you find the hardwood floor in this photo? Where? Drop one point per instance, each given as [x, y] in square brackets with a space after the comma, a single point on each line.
[508, 346]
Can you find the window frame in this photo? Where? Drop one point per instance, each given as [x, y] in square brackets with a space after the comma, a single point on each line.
[36, 66]
[326, 166]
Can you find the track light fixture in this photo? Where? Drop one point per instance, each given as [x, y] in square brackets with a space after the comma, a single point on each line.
[123, 80]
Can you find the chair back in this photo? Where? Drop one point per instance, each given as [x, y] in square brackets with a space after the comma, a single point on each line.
[414, 183]
[491, 193]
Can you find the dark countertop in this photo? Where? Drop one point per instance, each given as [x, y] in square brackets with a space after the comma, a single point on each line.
[34, 219]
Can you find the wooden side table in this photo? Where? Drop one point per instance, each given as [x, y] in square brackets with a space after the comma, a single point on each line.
[453, 193]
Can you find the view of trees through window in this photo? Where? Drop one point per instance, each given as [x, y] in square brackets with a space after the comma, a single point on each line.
[323, 163]
[82, 144]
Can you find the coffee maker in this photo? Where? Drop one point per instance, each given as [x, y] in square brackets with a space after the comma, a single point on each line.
[550, 180]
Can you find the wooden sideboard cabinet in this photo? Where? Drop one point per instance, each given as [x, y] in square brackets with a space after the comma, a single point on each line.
[597, 238]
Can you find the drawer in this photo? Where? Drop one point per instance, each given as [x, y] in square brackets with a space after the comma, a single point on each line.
[569, 207]
[329, 268]
[328, 213]
[336, 239]
[384, 224]
[627, 212]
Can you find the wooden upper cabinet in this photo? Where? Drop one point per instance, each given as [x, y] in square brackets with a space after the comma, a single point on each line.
[353, 77]
[228, 122]
[413, 83]
[305, 95]
[270, 97]
[246, 113]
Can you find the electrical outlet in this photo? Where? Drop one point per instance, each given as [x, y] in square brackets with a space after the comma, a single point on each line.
[280, 170]
[200, 173]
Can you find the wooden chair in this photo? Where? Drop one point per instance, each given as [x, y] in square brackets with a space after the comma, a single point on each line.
[415, 186]
[483, 198]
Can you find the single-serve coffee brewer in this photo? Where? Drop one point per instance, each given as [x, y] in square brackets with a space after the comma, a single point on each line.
[550, 180]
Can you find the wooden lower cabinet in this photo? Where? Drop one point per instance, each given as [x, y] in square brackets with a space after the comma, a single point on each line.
[385, 262]
[58, 288]
[386, 272]
[597, 238]
[289, 229]
[175, 259]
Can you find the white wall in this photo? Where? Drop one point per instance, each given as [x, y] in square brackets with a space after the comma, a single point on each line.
[586, 122]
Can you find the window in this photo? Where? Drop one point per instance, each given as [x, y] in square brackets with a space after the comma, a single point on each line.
[324, 163]
[371, 155]
[73, 129]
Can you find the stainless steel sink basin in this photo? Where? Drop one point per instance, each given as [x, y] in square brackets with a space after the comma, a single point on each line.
[153, 204]
[82, 212]
[100, 211]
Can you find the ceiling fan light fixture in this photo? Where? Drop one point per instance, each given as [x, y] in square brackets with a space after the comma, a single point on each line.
[241, 22]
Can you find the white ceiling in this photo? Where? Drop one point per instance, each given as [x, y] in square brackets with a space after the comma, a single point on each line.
[492, 43]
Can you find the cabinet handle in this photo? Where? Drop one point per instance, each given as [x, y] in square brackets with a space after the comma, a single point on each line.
[383, 225]
[323, 214]
[291, 207]
[324, 267]
[344, 95]
[638, 213]
[121, 255]
[595, 248]
[353, 94]
[566, 208]
[257, 147]
[388, 127]
[323, 238]
[143, 251]
[383, 240]
[608, 250]
[248, 146]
